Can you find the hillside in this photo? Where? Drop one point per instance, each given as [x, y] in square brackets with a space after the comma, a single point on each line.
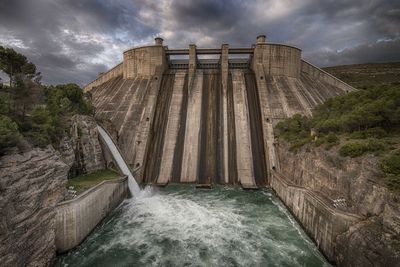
[366, 75]
[359, 123]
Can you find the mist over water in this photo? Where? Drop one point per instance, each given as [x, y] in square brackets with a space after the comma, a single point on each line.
[183, 226]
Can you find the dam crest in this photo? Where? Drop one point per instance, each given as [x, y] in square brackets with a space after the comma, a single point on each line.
[207, 115]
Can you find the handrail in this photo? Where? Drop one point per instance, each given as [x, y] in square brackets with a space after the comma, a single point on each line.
[92, 189]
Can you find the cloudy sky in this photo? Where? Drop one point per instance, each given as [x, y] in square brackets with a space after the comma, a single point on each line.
[72, 41]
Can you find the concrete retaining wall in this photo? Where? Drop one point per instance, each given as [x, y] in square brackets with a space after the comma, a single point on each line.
[317, 73]
[112, 73]
[76, 218]
[322, 223]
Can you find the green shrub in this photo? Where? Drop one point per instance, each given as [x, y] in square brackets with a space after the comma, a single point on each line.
[295, 145]
[295, 130]
[9, 134]
[370, 113]
[6, 103]
[41, 115]
[358, 135]
[393, 182]
[38, 138]
[374, 145]
[353, 149]
[376, 132]
[332, 138]
[356, 149]
[319, 141]
[391, 164]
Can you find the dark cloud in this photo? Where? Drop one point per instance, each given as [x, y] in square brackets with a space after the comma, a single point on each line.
[382, 51]
[71, 41]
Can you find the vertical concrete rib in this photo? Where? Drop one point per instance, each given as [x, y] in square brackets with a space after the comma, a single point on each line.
[293, 86]
[122, 105]
[208, 171]
[178, 153]
[282, 98]
[171, 134]
[128, 135]
[291, 98]
[242, 125]
[257, 141]
[309, 87]
[224, 112]
[192, 63]
[146, 118]
[158, 128]
[232, 174]
[104, 105]
[267, 118]
[109, 102]
[190, 156]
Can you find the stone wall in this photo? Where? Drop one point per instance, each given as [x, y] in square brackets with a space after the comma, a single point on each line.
[76, 218]
[363, 232]
[31, 184]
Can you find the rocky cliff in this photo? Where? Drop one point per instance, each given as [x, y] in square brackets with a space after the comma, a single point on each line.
[344, 187]
[82, 150]
[31, 184]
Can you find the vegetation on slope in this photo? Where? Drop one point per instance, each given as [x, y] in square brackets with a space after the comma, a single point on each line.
[366, 75]
[31, 113]
[361, 122]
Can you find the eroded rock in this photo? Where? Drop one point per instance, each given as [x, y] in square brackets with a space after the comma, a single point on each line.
[31, 184]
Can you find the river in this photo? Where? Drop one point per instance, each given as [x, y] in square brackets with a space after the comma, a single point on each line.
[180, 225]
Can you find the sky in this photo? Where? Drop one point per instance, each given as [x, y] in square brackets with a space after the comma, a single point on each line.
[74, 40]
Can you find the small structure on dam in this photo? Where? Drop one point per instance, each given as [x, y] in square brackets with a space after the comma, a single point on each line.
[180, 117]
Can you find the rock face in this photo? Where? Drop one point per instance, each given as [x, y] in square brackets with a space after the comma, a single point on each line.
[372, 240]
[85, 143]
[31, 184]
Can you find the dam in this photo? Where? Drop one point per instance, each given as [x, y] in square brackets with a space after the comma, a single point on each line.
[206, 116]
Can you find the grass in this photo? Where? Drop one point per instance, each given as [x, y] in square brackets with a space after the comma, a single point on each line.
[83, 182]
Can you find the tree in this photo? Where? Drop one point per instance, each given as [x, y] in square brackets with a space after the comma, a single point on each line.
[12, 62]
[9, 135]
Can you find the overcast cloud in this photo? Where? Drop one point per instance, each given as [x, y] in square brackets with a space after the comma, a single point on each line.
[72, 41]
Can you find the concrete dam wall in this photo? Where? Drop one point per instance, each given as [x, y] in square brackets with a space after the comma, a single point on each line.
[181, 118]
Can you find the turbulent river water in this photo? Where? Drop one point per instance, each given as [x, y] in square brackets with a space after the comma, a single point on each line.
[182, 226]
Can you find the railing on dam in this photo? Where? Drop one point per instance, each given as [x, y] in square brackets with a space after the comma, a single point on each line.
[209, 51]
[236, 63]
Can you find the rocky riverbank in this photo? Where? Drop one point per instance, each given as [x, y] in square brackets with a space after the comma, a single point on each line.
[352, 186]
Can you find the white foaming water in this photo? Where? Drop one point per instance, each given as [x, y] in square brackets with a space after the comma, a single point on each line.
[132, 184]
[182, 226]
